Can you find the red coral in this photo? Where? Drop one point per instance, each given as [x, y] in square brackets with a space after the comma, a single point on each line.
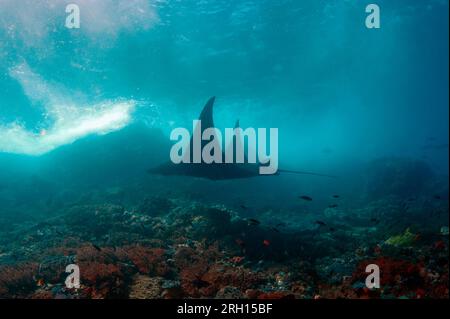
[94, 273]
[398, 277]
[191, 281]
[439, 245]
[201, 280]
[192, 264]
[101, 274]
[341, 291]
[102, 280]
[17, 281]
[150, 261]
[42, 294]
[220, 276]
[202, 274]
[252, 293]
[390, 270]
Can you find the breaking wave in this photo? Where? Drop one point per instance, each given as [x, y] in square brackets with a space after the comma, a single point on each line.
[70, 119]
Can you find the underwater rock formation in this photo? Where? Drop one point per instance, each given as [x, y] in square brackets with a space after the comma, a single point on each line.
[177, 248]
[403, 177]
[145, 287]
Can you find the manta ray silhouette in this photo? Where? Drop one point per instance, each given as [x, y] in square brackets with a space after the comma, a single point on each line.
[216, 171]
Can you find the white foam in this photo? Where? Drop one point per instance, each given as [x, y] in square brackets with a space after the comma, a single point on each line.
[71, 119]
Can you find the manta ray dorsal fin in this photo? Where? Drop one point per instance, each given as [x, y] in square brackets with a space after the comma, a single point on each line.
[207, 114]
[207, 121]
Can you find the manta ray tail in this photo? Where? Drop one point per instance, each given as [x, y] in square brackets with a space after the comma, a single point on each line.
[305, 173]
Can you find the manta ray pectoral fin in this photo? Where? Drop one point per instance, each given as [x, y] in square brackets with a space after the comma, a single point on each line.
[305, 173]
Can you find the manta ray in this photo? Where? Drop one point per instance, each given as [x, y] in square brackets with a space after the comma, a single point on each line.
[217, 171]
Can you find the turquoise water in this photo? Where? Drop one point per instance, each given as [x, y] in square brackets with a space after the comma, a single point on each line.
[84, 113]
[310, 68]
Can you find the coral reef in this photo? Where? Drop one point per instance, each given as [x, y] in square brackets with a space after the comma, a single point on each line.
[17, 281]
[145, 287]
[177, 248]
[405, 239]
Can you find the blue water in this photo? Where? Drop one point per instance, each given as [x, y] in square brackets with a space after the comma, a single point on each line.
[340, 94]
[85, 112]
[310, 68]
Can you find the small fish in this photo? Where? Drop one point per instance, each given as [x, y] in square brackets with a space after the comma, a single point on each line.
[243, 207]
[40, 282]
[237, 259]
[332, 206]
[336, 196]
[253, 222]
[332, 229]
[437, 197]
[320, 223]
[266, 242]
[96, 247]
[280, 224]
[375, 220]
[274, 229]
[307, 198]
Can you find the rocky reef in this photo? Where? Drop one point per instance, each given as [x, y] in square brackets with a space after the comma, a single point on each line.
[178, 248]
